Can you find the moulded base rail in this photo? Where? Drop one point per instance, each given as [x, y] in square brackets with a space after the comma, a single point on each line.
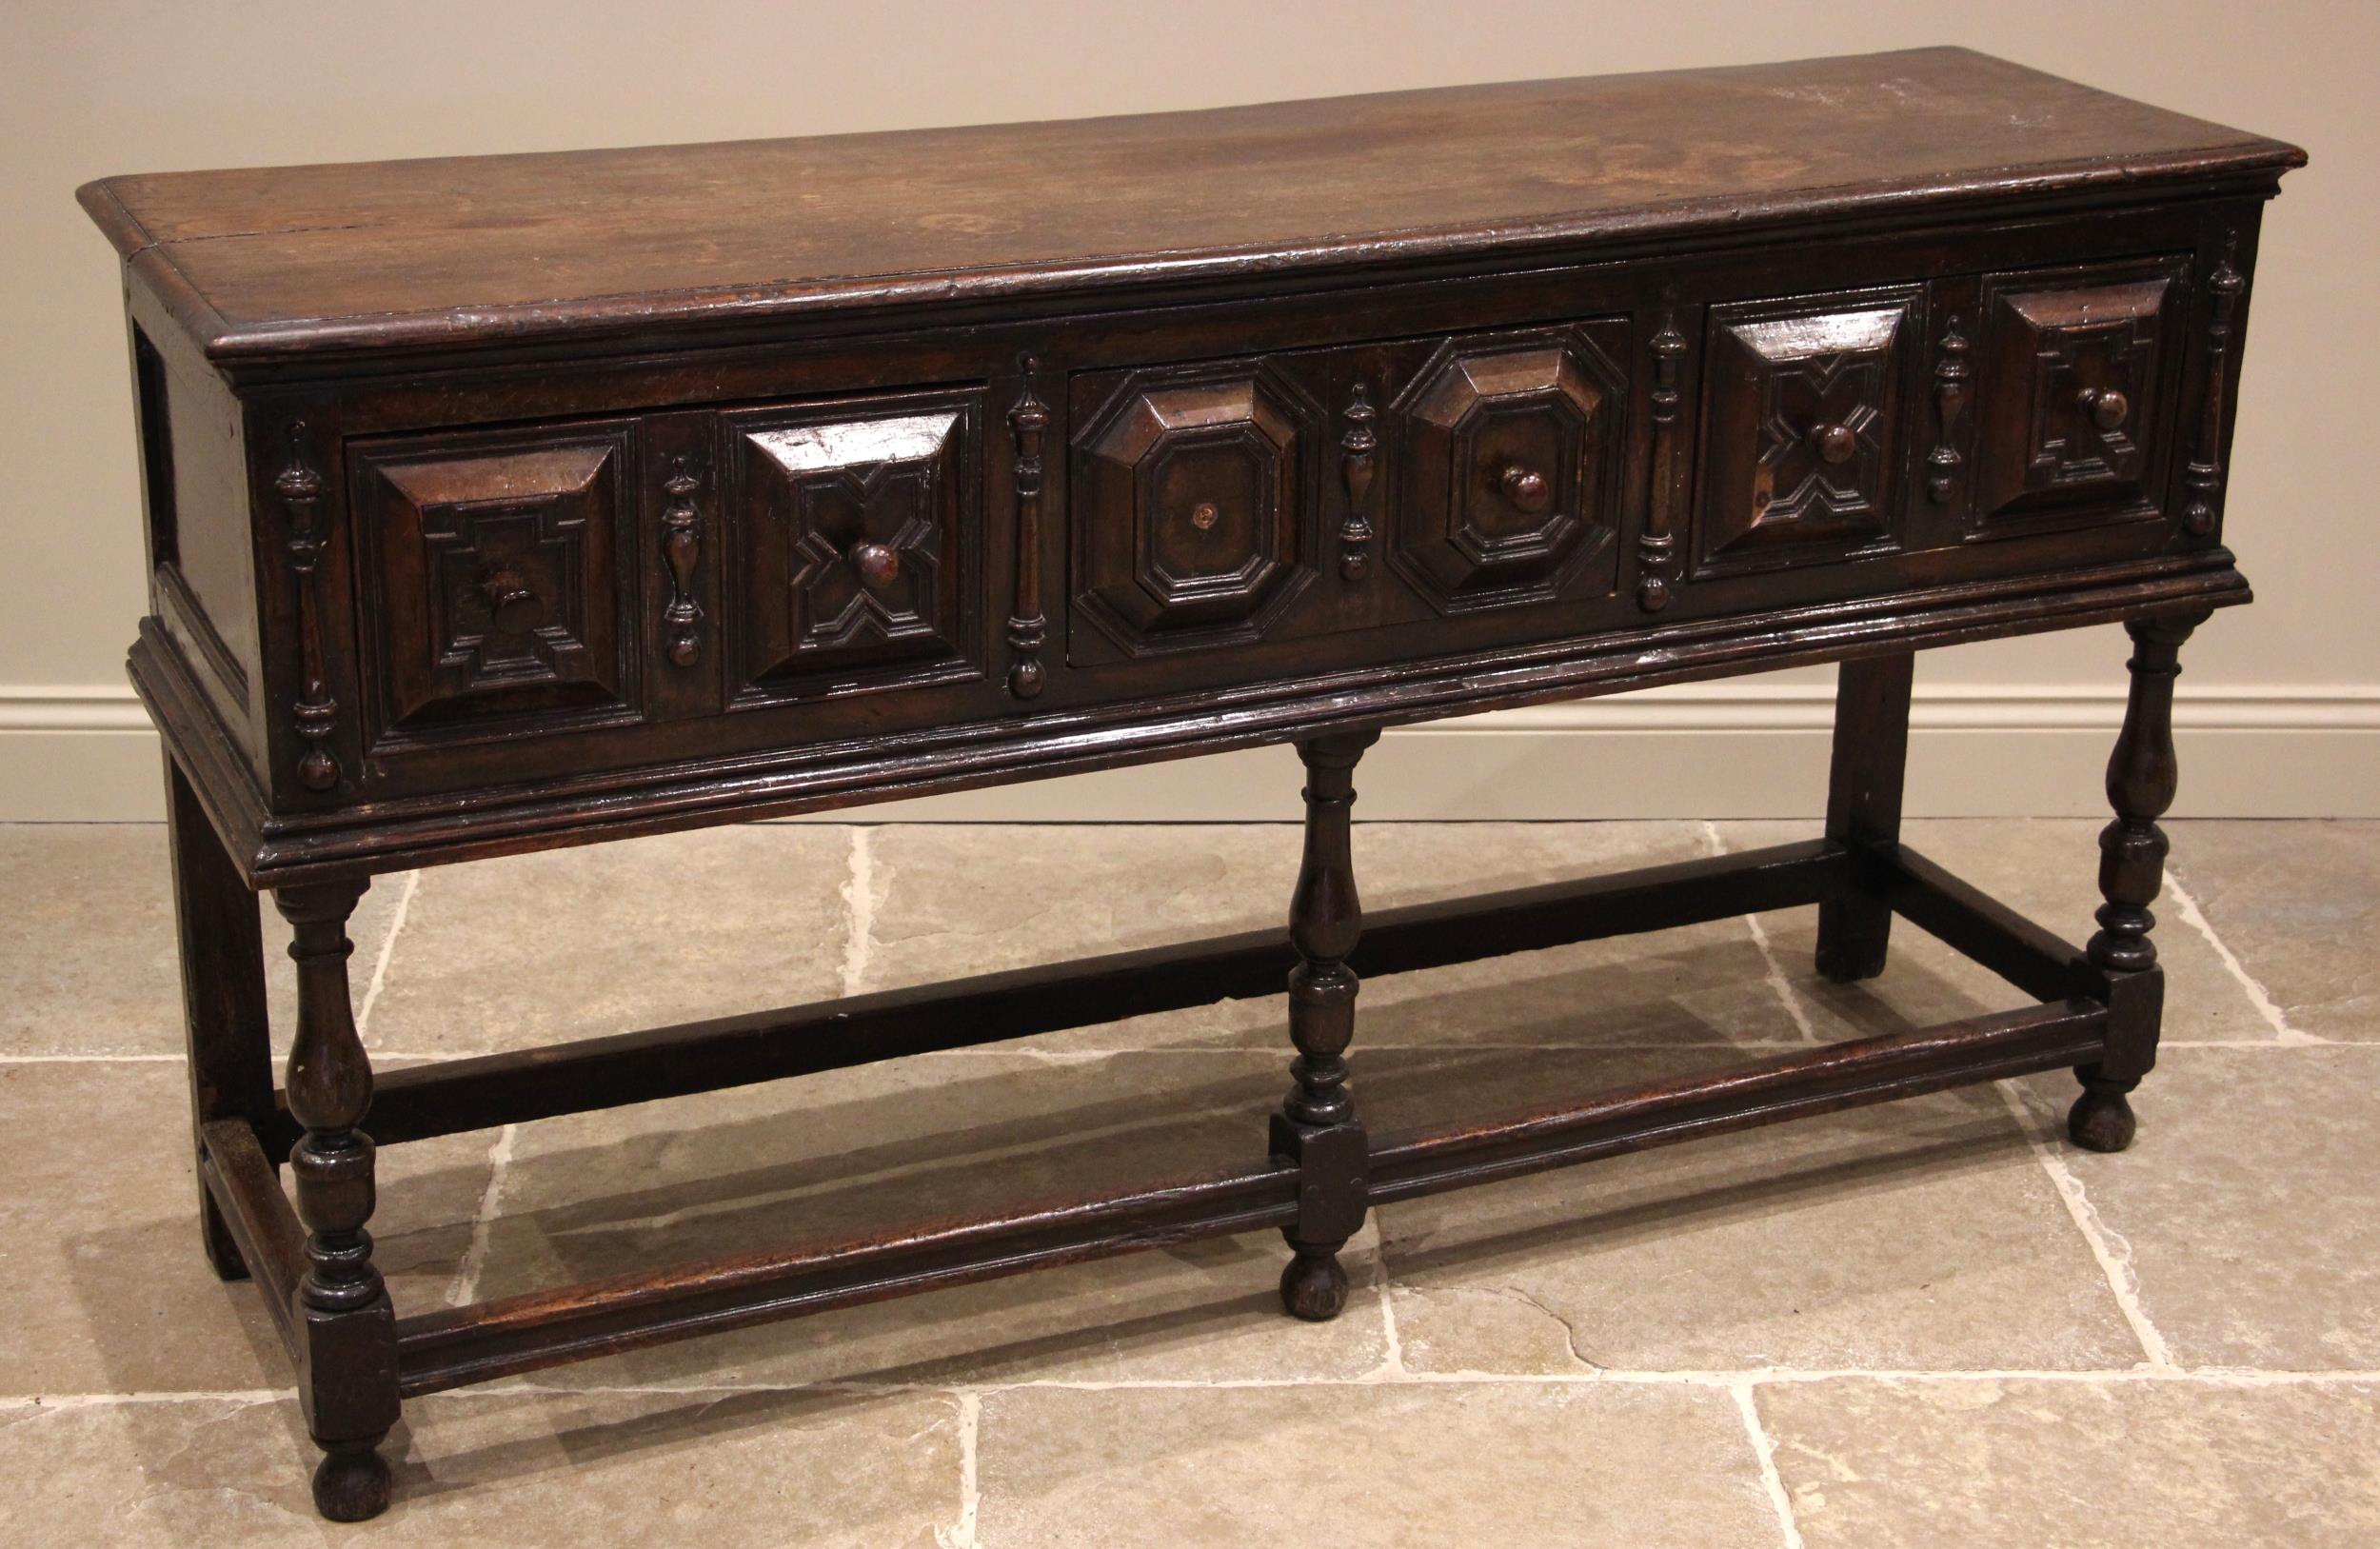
[453, 1346]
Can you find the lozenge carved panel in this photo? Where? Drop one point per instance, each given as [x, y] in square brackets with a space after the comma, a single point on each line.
[857, 543]
[1801, 430]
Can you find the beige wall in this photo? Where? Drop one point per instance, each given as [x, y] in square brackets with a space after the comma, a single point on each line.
[2281, 711]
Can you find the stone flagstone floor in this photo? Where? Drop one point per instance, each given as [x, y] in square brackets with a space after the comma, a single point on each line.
[1927, 1324]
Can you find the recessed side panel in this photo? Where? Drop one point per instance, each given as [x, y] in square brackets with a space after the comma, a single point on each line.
[1802, 430]
[203, 581]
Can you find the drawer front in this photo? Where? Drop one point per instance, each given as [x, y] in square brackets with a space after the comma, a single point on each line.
[1801, 430]
[2075, 373]
[1194, 504]
[1338, 490]
[1069, 518]
[499, 591]
[858, 545]
[1510, 470]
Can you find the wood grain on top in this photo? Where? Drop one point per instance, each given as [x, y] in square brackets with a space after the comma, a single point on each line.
[289, 260]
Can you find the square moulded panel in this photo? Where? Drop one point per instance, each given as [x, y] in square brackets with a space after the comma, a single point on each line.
[856, 544]
[496, 590]
[1802, 430]
[2075, 383]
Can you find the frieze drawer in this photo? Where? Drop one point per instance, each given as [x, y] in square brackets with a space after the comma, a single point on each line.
[2075, 386]
[595, 575]
[499, 582]
[1270, 498]
[857, 531]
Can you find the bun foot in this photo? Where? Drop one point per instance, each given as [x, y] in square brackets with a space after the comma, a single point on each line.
[351, 1484]
[1312, 1286]
[2101, 1121]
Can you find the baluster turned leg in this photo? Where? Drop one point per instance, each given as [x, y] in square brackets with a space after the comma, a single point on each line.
[2141, 779]
[347, 1354]
[1863, 803]
[1316, 1128]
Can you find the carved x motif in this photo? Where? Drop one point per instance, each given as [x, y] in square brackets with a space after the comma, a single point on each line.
[1822, 390]
[888, 504]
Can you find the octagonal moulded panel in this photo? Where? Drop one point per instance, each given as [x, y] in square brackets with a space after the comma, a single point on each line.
[1510, 468]
[1189, 511]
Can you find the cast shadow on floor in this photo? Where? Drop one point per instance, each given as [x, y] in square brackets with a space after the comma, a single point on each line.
[949, 1136]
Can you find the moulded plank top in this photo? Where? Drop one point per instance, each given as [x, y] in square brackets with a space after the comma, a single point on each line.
[299, 260]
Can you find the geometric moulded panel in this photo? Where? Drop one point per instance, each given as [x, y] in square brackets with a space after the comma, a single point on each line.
[1189, 520]
[1509, 468]
[2071, 393]
[1802, 430]
[855, 544]
[493, 570]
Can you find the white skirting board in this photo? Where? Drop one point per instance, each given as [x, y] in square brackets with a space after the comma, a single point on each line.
[1698, 750]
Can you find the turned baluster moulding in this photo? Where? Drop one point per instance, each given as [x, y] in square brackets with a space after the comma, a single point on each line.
[506, 501]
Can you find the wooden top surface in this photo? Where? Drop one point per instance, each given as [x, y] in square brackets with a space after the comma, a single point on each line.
[290, 261]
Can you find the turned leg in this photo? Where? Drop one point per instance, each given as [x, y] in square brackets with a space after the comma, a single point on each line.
[1316, 1128]
[2141, 779]
[223, 1021]
[347, 1353]
[1863, 803]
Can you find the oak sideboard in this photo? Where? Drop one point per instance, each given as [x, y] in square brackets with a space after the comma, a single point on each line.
[501, 502]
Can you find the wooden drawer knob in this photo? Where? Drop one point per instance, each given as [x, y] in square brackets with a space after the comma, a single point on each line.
[877, 565]
[1835, 443]
[1526, 488]
[512, 606]
[2106, 407]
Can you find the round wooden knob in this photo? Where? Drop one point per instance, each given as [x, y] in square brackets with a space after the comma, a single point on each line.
[512, 606]
[1526, 488]
[876, 563]
[2106, 407]
[1835, 443]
